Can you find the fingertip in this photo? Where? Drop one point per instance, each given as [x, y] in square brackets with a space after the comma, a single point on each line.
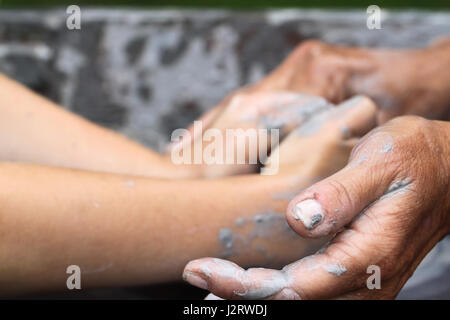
[309, 217]
[222, 277]
[195, 279]
[360, 101]
[190, 266]
[370, 107]
[195, 275]
[198, 266]
[303, 215]
[365, 100]
[360, 117]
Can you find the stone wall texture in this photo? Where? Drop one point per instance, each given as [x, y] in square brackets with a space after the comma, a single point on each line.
[146, 72]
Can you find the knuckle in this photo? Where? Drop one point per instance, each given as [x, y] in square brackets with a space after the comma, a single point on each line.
[368, 101]
[365, 146]
[407, 120]
[416, 140]
[236, 99]
[309, 48]
[358, 149]
[342, 193]
[380, 146]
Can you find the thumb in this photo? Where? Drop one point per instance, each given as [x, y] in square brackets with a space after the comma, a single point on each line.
[329, 205]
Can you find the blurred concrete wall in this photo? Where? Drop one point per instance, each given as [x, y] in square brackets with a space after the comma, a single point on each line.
[145, 72]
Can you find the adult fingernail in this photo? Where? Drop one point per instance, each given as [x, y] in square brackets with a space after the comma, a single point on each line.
[310, 212]
[195, 280]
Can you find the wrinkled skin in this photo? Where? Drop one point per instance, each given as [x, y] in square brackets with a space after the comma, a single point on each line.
[400, 81]
[389, 206]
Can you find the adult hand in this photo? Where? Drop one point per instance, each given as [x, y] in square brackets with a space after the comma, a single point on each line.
[388, 207]
[399, 81]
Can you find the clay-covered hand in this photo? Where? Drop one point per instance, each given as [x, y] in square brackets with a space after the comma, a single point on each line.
[388, 207]
[400, 81]
[322, 145]
[246, 122]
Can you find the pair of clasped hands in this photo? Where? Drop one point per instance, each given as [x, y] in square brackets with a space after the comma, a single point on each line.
[380, 167]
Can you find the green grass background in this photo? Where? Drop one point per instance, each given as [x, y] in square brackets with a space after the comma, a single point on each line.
[236, 4]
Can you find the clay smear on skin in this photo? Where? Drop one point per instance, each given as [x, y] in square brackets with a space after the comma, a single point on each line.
[265, 288]
[397, 187]
[130, 183]
[297, 105]
[294, 113]
[310, 205]
[240, 237]
[310, 263]
[385, 146]
[277, 281]
[272, 282]
[388, 144]
[336, 269]
[314, 124]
